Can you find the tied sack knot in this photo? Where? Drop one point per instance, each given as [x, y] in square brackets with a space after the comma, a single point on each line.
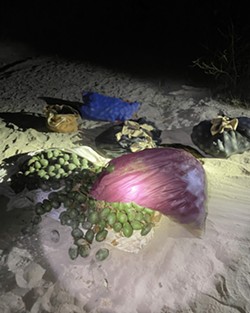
[223, 123]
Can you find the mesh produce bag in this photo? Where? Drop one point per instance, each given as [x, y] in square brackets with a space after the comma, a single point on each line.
[104, 108]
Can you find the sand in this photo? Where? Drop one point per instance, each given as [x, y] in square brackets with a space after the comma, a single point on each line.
[175, 271]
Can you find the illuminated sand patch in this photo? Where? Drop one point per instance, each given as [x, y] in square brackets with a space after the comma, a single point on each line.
[175, 269]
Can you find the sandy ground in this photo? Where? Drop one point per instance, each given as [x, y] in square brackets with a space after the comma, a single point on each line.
[175, 272]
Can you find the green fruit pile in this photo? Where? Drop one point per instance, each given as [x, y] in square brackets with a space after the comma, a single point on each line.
[48, 170]
[68, 178]
[54, 163]
[91, 220]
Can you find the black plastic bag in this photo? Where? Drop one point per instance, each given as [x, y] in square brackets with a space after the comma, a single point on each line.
[222, 137]
[130, 136]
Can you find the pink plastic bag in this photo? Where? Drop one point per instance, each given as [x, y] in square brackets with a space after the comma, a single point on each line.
[168, 180]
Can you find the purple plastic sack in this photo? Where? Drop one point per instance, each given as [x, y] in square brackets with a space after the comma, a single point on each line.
[104, 108]
[168, 180]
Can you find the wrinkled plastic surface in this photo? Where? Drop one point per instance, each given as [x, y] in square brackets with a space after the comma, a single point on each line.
[104, 108]
[108, 145]
[225, 144]
[168, 180]
[244, 126]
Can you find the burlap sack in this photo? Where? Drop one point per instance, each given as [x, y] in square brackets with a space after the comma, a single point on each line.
[62, 118]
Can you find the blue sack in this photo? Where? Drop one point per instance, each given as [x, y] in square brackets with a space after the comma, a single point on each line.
[104, 108]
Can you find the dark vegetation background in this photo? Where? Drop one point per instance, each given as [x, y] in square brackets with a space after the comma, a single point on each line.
[156, 34]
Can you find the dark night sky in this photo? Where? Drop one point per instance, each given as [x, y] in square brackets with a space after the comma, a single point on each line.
[123, 31]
